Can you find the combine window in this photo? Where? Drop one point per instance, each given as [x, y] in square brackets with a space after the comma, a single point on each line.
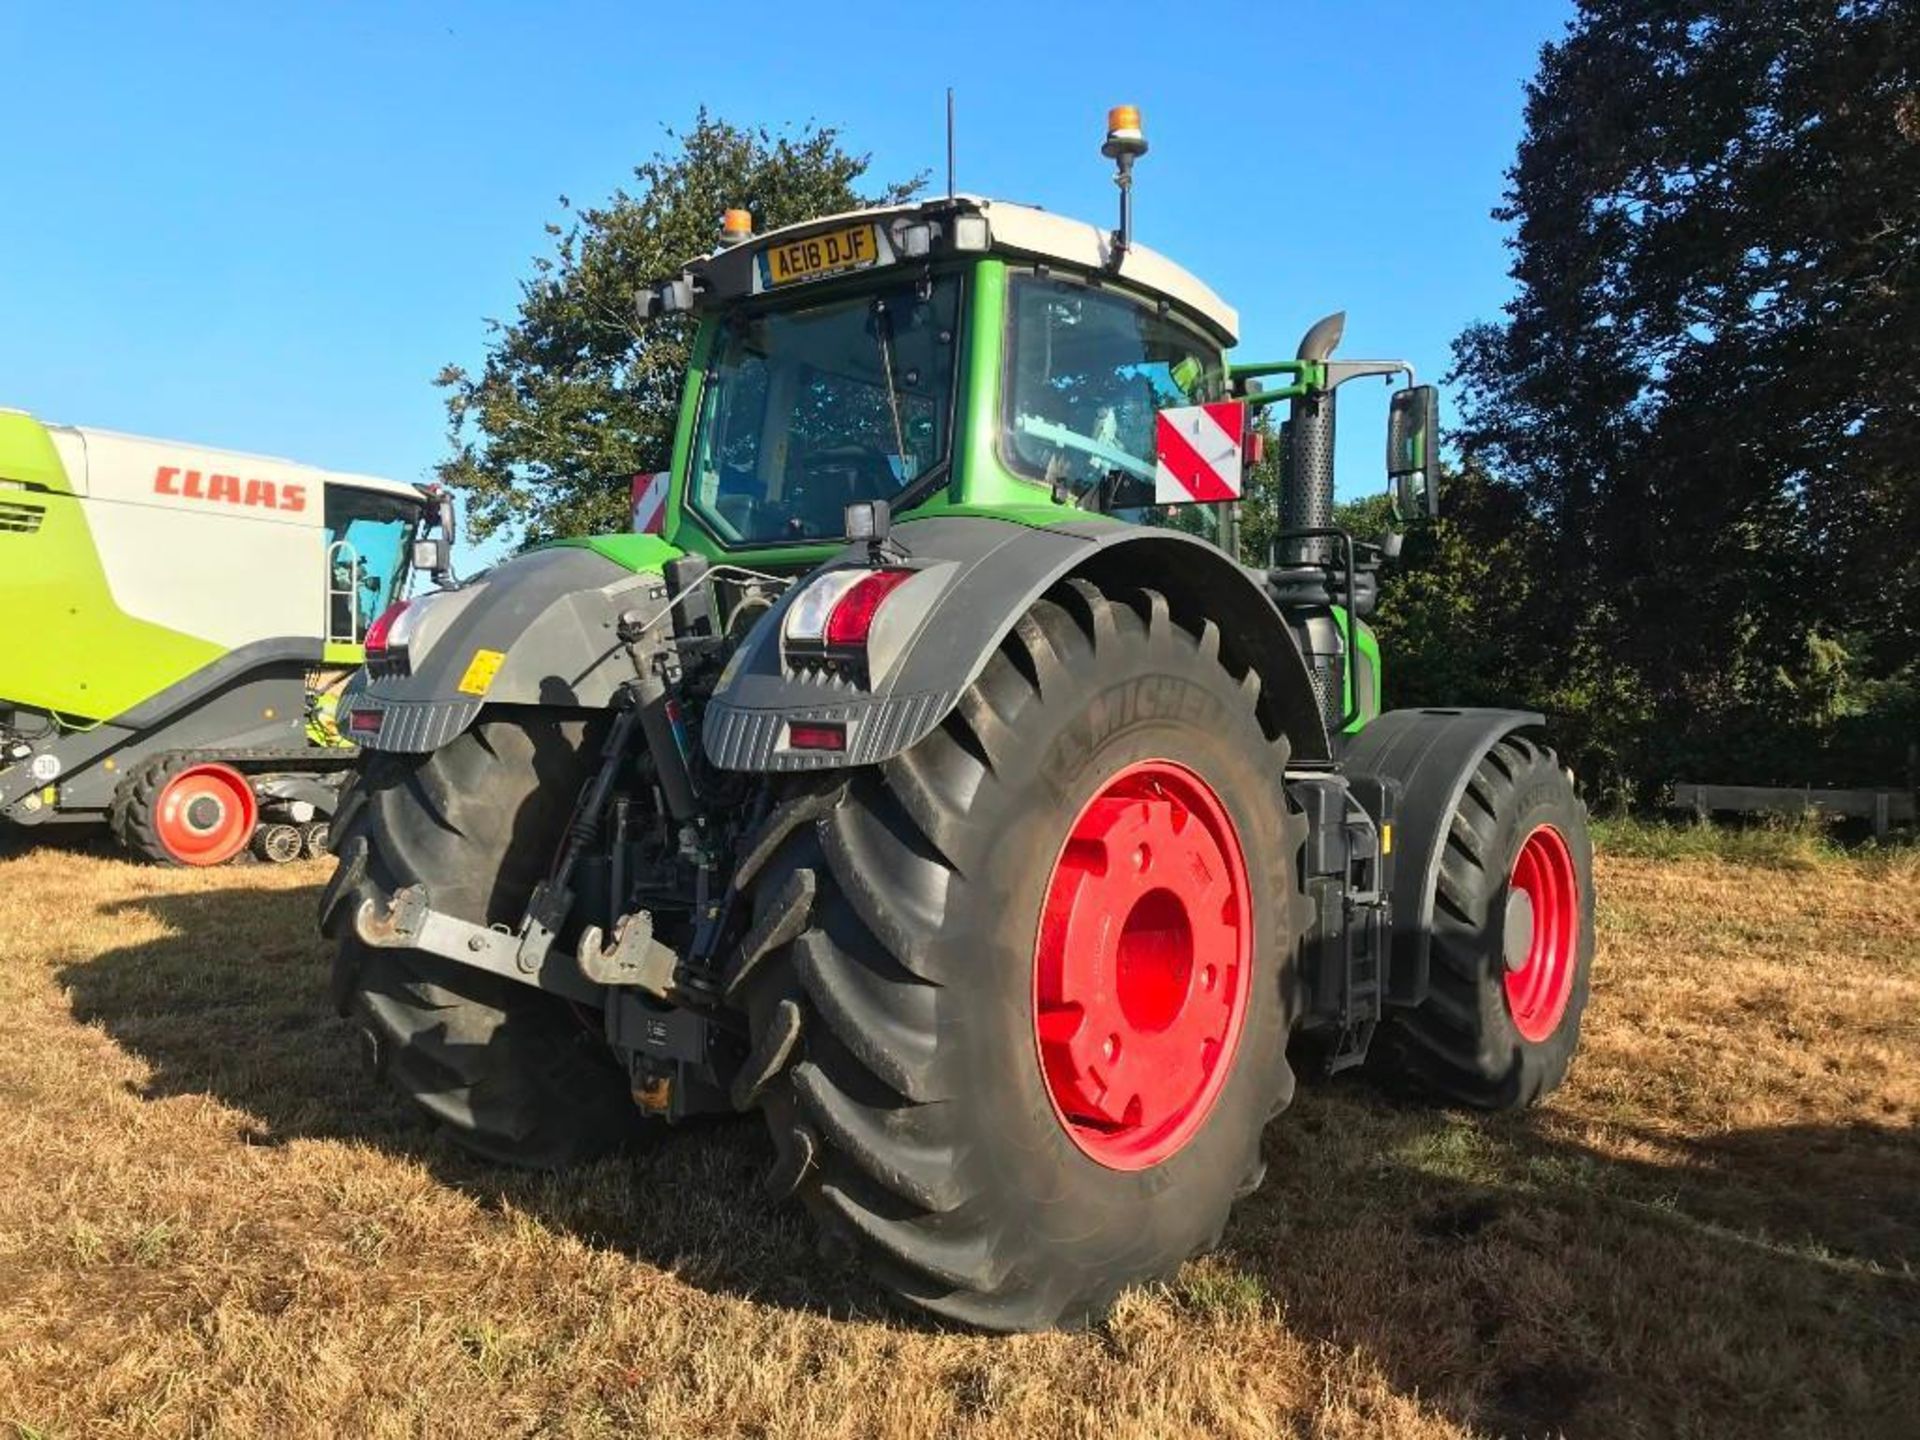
[1090, 369]
[368, 548]
[804, 411]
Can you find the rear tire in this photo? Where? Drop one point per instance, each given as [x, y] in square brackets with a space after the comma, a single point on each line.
[1512, 940]
[897, 1015]
[510, 1073]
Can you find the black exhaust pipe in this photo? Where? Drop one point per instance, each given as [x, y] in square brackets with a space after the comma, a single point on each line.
[1306, 497]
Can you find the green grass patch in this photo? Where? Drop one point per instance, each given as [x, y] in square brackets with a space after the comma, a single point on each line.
[1773, 843]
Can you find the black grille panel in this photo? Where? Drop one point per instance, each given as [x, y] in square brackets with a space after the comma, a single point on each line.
[17, 519]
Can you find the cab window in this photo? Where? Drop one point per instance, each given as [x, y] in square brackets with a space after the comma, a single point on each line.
[1089, 370]
[805, 411]
[367, 538]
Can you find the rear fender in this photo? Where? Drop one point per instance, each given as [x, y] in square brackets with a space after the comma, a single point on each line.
[1428, 756]
[540, 629]
[935, 634]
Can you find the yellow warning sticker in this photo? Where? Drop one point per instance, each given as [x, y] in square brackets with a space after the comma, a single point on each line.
[481, 670]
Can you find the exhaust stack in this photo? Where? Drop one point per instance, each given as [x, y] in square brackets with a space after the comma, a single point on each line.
[1306, 498]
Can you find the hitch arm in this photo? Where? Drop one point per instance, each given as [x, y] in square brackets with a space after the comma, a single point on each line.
[409, 922]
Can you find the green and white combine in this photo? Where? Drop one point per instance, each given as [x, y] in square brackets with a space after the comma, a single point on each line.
[939, 787]
[175, 625]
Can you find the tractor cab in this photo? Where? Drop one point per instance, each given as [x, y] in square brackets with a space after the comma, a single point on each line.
[971, 357]
[950, 357]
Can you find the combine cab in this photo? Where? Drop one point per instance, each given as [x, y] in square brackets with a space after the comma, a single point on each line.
[180, 624]
[942, 783]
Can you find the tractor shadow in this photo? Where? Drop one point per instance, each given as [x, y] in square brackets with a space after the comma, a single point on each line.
[1524, 1283]
[233, 1003]
[1509, 1275]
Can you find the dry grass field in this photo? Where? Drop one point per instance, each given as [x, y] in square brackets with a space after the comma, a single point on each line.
[212, 1223]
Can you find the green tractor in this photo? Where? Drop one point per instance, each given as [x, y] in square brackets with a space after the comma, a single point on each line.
[937, 783]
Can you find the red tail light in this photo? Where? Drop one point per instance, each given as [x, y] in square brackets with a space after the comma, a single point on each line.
[827, 735]
[852, 618]
[378, 631]
[837, 609]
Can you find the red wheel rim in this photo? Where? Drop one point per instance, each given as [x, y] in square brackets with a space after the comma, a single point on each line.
[1542, 956]
[206, 815]
[1143, 965]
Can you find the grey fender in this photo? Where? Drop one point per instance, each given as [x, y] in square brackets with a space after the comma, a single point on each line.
[1429, 756]
[935, 634]
[550, 615]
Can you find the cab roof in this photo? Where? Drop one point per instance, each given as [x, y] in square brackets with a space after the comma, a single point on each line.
[1029, 232]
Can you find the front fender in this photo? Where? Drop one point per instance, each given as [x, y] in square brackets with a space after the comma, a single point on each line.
[539, 629]
[935, 635]
[1429, 755]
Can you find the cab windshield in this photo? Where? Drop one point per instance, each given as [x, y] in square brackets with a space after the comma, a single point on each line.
[805, 411]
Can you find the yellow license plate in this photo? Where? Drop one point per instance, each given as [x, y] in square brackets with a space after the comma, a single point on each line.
[854, 248]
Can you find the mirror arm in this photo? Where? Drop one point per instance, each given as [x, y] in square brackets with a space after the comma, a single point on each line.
[1253, 369]
[1309, 376]
[1313, 376]
[1341, 371]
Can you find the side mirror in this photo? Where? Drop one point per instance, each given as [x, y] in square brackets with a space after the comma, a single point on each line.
[433, 556]
[1413, 452]
[445, 516]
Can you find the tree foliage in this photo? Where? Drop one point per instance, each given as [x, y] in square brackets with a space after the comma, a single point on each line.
[575, 395]
[1691, 522]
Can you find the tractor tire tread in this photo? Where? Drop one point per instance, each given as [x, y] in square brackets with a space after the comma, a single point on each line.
[861, 1117]
[508, 1072]
[1458, 1044]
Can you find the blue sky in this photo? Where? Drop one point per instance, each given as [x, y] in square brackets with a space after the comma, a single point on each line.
[268, 226]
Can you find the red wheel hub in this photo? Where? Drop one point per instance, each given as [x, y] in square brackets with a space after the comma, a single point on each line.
[1143, 965]
[206, 815]
[1542, 933]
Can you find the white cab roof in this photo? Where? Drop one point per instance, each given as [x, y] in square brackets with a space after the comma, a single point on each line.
[1029, 230]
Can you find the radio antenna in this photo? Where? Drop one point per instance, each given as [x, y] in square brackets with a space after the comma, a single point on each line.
[949, 142]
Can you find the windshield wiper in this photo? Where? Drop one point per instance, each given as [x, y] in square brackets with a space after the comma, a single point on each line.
[883, 337]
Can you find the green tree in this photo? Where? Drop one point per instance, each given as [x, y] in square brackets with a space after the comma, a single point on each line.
[575, 396]
[1706, 394]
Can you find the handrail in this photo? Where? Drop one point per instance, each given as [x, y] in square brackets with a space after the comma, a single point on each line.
[352, 592]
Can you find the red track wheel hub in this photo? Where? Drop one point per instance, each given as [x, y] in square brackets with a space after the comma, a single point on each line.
[206, 815]
[1143, 965]
[1542, 933]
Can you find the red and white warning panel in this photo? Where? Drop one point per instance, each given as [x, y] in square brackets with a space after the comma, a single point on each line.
[650, 502]
[1199, 453]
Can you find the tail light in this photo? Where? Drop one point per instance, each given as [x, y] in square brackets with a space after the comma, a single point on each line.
[380, 633]
[837, 611]
[851, 619]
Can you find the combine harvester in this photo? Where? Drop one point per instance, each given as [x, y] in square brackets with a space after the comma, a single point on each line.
[941, 782]
[179, 622]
